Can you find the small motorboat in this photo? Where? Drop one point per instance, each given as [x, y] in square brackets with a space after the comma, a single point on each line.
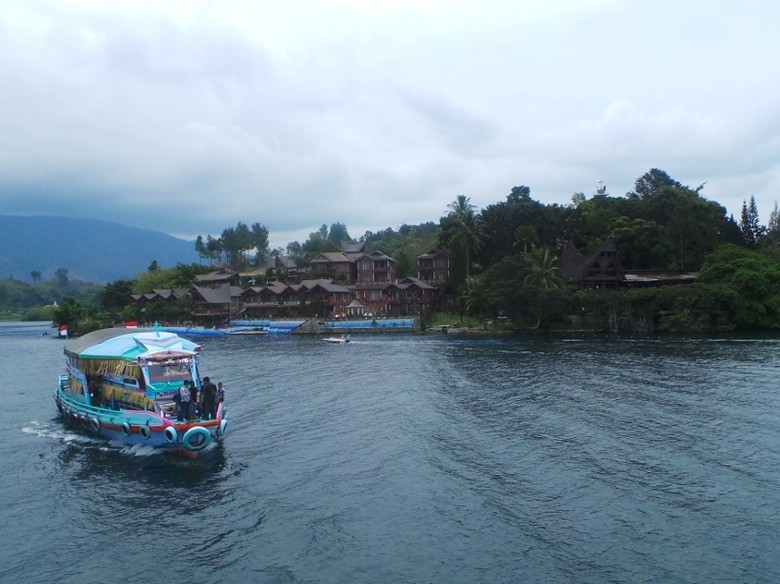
[337, 340]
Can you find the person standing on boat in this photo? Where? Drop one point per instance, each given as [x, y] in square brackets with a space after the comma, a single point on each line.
[208, 399]
[192, 412]
[183, 406]
[220, 393]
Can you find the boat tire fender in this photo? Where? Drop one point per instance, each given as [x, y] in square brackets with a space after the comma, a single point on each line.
[95, 424]
[145, 431]
[171, 434]
[196, 438]
[222, 427]
[126, 429]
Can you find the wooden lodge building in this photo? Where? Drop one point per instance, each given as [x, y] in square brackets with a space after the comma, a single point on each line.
[347, 284]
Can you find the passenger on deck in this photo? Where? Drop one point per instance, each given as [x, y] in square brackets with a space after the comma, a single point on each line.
[209, 399]
[183, 405]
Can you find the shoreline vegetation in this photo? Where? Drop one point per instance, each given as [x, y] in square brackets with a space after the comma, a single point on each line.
[516, 266]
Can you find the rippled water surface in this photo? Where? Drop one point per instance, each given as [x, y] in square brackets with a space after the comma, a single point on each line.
[414, 458]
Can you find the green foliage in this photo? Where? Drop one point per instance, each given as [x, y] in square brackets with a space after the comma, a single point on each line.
[180, 276]
[755, 280]
[404, 245]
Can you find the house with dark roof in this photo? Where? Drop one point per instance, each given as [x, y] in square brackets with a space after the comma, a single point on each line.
[336, 265]
[433, 266]
[217, 279]
[410, 297]
[600, 269]
[374, 267]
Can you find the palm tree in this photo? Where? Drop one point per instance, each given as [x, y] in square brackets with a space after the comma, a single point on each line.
[472, 299]
[542, 275]
[462, 206]
[469, 235]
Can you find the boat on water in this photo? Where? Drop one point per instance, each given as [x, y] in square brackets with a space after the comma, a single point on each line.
[123, 384]
[337, 340]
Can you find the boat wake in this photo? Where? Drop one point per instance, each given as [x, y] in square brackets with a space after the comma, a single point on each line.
[45, 430]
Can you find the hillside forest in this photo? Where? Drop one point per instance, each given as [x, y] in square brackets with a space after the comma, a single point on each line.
[505, 262]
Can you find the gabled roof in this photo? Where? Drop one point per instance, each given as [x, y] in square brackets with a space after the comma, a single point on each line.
[348, 247]
[325, 284]
[376, 255]
[410, 281]
[220, 295]
[432, 254]
[218, 276]
[333, 257]
[286, 263]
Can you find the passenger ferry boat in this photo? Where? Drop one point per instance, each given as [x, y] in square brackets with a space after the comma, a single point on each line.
[121, 384]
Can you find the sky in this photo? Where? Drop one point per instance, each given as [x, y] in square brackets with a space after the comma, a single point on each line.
[188, 116]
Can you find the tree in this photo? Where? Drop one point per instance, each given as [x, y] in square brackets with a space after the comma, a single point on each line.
[115, 295]
[749, 223]
[773, 227]
[338, 234]
[472, 299]
[754, 277]
[466, 233]
[36, 275]
[61, 275]
[153, 267]
[651, 183]
[541, 275]
[260, 242]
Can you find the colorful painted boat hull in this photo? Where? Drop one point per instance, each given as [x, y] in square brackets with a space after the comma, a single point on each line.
[133, 376]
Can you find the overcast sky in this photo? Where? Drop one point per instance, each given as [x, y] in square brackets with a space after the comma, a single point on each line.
[189, 116]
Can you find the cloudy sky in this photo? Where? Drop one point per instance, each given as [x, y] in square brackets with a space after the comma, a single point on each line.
[189, 116]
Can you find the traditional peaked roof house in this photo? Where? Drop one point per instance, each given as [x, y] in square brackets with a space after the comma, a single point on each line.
[433, 266]
[601, 268]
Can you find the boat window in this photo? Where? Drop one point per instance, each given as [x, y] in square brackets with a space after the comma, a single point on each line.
[172, 370]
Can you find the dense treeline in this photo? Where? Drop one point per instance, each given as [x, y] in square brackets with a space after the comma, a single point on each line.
[505, 260]
[507, 254]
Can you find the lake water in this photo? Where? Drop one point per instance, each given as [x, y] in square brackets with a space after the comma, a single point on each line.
[404, 458]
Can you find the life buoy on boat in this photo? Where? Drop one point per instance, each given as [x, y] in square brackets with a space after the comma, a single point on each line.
[145, 431]
[196, 438]
[171, 434]
[126, 429]
[95, 424]
[222, 427]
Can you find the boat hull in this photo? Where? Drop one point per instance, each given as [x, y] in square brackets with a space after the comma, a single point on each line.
[138, 427]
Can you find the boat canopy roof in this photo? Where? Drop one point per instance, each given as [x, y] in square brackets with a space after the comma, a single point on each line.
[128, 344]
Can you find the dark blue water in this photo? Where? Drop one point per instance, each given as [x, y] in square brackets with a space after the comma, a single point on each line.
[407, 458]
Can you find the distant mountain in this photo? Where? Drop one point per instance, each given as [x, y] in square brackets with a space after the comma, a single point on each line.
[91, 250]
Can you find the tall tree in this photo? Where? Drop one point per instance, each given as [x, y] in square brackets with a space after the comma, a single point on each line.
[260, 242]
[749, 223]
[773, 227]
[542, 275]
[338, 234]
[467, 234]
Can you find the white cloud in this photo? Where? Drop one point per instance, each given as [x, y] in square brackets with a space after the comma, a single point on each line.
[190, 116]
